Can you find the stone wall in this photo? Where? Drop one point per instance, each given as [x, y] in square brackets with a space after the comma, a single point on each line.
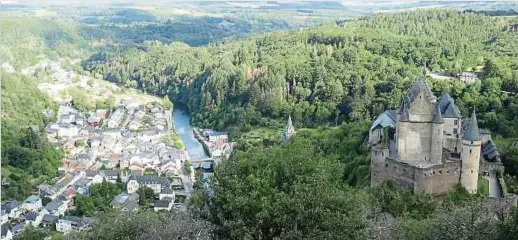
[377, 169]
[415, 141]
[449, 126]
[437, 179]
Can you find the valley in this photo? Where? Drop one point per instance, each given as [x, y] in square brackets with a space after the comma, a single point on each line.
[259, 120]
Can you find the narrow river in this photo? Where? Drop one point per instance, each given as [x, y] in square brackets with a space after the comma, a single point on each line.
[182, 127]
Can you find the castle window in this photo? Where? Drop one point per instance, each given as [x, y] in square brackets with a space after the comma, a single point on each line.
[455, 122]
[440, 172]
[425, 174]
[433, 172]
[471, 142]
[471, 171]
[382, 154]
[448, 171]
[455, 131]
[470, 151]
[386, 165]
[404, 170]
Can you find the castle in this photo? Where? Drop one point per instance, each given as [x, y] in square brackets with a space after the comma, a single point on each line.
[425, 146]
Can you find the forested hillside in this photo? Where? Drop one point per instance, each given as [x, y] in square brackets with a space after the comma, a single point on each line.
[27, 40]
[320, 75]
[27, 157]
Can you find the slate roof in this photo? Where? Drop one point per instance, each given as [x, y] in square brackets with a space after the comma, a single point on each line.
[472, 132]
[438, 116]
[386, 119]
[54, 204]
[490, 151]
[151, 179]
[405, 117]
[18, 227]
[9, 206]
[33, 199]
[416, 89]
[31, 216]
[49, 219]
[80, 222]
[448, 107]
[163, 203]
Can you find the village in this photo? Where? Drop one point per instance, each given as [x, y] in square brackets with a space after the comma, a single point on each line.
[132, 144]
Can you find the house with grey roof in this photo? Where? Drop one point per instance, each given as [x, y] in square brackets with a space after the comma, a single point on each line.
[32, 203]
[33, 218]
[49, 220]
[72, 223]
[58, 206]
[125, 203]
[12, 208]
[157, 183]
[164, 204]
[18, 228]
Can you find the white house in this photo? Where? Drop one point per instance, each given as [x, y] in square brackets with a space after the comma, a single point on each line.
[70, 223]
[164, 204]
[158, 184]
[214, 136]
[115, 118]
[56, 207]
[68, 130]
[32, 203]
[4, 216]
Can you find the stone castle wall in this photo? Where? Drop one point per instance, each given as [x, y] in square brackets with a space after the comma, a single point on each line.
[415, 141]
[435, 179]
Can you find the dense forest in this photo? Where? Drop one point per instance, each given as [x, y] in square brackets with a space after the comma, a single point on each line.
[330, 73]
[27, 157]
[28, 40]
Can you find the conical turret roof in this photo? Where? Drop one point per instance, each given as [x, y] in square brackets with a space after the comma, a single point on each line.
[438, 116]
[472, 132]
[405, 116]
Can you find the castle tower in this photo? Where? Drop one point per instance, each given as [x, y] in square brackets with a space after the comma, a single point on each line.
[470, 155]
[378, 170]
[437, 137]
[289, 132]
[401, 130]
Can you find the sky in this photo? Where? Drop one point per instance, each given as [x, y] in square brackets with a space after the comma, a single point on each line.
[151, 1]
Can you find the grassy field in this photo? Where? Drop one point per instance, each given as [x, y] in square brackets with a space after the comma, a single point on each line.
[483, 186]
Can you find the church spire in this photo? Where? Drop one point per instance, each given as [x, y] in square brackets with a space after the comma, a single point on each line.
[290, 130]
[472, 133]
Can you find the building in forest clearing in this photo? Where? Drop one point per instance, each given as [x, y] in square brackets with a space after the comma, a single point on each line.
[425, 146]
